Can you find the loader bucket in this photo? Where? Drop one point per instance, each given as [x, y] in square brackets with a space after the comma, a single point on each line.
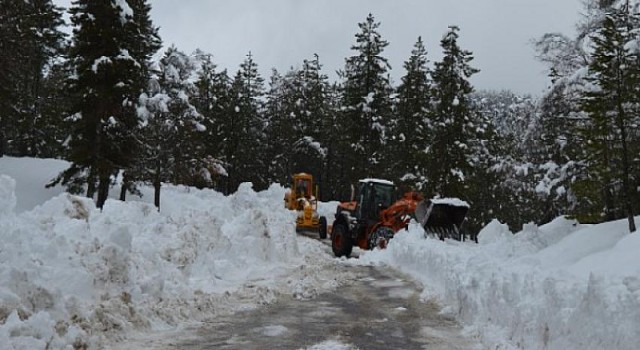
[442, 217]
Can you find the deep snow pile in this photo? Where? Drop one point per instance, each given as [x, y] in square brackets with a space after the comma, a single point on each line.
[72, 275]
[558, 286]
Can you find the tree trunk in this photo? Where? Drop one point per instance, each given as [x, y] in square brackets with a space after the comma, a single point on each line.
[628, 205]
[626, 188]
[125, 187]
[123, 192]
[103, 188]
[91, 183]
[1, 141]
[156, 200]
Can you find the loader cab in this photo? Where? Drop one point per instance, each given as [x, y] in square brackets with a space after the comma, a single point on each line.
[373, 196]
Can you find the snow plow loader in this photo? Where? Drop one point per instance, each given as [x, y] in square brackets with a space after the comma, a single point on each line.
[374, 216]
[300, 197]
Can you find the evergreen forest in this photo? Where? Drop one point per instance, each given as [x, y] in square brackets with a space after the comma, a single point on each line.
[122, 108]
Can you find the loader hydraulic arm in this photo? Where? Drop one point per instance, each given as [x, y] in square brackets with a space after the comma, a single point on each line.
[398, 215]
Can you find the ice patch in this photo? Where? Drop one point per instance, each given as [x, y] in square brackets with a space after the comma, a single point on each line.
[274, 331]
[332, 345]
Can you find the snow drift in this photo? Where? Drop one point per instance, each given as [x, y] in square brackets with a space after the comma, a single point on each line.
[72, 276]
[558, 286]
[71, 273]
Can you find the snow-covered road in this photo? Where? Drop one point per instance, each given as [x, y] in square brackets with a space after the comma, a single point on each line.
[379, 309]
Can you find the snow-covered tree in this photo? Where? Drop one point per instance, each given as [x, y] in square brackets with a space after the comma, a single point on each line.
[507, 175]
[280, 128]
[212, 101]
[106, 56]
[334, 177]
[612, 101]
[310, 147]
[147, 42]
[172, 124]
[453, 120]
[244, 126]
[366, 103]
[296, 110]
[560, 136]
[30, 42]
[411, 130]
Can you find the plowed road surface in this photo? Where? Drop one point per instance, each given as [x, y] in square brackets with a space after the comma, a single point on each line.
[378, 309]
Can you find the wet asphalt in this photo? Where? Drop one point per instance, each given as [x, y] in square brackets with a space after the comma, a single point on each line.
[380, 309]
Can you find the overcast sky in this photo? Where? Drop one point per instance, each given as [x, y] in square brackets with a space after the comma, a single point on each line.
[281, 33]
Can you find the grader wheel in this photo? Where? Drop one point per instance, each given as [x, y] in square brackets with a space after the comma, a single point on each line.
[322, 227]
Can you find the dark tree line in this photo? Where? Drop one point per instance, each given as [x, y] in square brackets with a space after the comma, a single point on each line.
[588, 122]
[98, 100]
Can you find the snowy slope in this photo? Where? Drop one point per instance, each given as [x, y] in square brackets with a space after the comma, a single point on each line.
[558, 286]
[72, 275]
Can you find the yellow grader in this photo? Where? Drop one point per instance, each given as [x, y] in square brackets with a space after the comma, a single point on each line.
[300, 197]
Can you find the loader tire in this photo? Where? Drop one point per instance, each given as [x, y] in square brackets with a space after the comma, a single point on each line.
[322, 227]
[341, 243]
[380, 237]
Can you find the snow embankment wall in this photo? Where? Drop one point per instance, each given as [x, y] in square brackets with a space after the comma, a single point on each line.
[69, 272]
[558, 286]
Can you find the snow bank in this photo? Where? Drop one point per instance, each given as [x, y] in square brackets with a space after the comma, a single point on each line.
[7, 195]
[71, 274]
[328, 210]
[558, 286]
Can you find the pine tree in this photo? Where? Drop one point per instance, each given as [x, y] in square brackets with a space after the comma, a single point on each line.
[510, 183]
[367, 104]
[52, 126]
[244, 129]
[13, 15]
[612, 105]
[557, 152]
[146, 42]
[297, 110]
[310, 146]
[453, 121]
[336, 170]
[30, 41]
[280, 129]
[158, 135]
[107, 80]
[412, 129]
[306, 107]
[176, 81]
[212, 101]
[172, 124]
